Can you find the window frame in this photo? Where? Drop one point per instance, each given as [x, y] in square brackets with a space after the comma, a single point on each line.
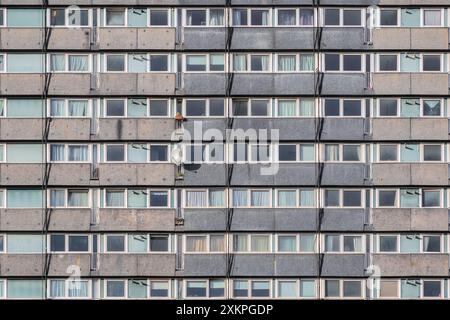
[207, 17]
[341, 243]
[419, 236]
[66, 243]
[341, 17]
[66, 18]
[341, 289]
[66, 198]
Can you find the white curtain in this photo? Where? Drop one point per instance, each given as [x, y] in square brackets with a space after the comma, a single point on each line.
[307, 198]
[307, 108]
[216, 198]
[260, 243]
[77, 199]
[286, 63]
[78, 153]
[260, 198]
[196, 199]
[287, 108]
[78, 108]
[57, 62]
[287, 198]
[306, 62]
[240, 62]
[78, 288]
[57, 152]
[57, 198]
[57, 108]
[239, 17]
[216, 17]
[306, 17]
[331, 152]
[432, 17]
[196, 243]
[239, 198]
[240, 243]
[286, 17]
[57, 288]
[78, 63]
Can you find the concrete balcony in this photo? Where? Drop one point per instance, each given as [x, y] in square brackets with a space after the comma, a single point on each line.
[263, 219]
[136, 220]
[135, 129]
[136, 84]
[411, 38]
[410, 219]
[31, 219]
[61, 174]
[31, 265]
[136, 265]
[136, 38]
[405, 83]
[412, 265]
[31, 39]
[123, 174]
[410, 129]
[399, 174]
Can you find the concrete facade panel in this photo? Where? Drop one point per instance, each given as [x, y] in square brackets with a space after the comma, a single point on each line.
[412, 265]
[135, 129]
[136, 174]
[136, 220]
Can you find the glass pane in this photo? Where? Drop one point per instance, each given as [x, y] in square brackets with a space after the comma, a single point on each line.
[388, 107]
[159, 243]
[410, 289]
[115, 63]
[137, 63]
[115, 243]
[159, 63]
[352, 62]
[29, 108]
[159, 17]
[287, 244]
[409, 244]
[137, 153]
[410, 108]
[409, 62]
[159, 289]
[259, 62]
[350, 153]
[409, 153]
[388, 17]
[158, 153]
[388, 243]
[25, 243]
[431, 107]
[388, 62]
[287, 198]
[115, 153]
[331, 17]
[137, 198]
[388, 152]
[137, 243]
[115, 288]
[196, 17]
[352, 289]
[19, 289]
[287, 289]
[159, 108]
[307, 288]
[260, 289]
[286, 17]
[332, 288]
[352, 108]
[25, 17]
[332, 62]
[115, 17]
[387, 198]
[409, 198]
[24, 198]
[137, 17]
[196, 63]
[137, 289]
[158, 198]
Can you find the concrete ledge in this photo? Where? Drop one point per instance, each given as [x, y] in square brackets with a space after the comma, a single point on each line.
[410, 219]
[136, 38]
[412, 265]
[138, 265]
[135, 129]
[410, 174]
[136, 220]
[136, 174]
[410, 129]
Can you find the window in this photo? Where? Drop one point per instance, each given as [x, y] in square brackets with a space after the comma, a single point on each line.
[346, 153]
[388, 62]
[25, 17]
[251, 62]
[204, 198]
[24, 63]
[24, 243]
[431, 198]
[388, 107]
[69, 17]
[343, 62]
[388, 243]
[24, 289]
[73, 198]
[431, 244]
[115, 288]
[260, 152]
[204, 63]
[251, 17]
[387, 198]
[432, 288]
[115, 153]
[70, 153]
[159, 199]
[344, 243]
[344, 107]
[204, 17]
[69, 243]
[159, 289]
[431, 62]
[431, 108]
[295, 17]
[432, 152]
[388, 152]
[115, 62]
[22, 198]
[69, 108]
[115, 243]
[342, 17]
[115, 198]
[389, 289]
[159, 243]
[346, 289]
[159, 108]
[159, 17]
[388, 17]
[432, 18]
[69, 288]
[115, 17]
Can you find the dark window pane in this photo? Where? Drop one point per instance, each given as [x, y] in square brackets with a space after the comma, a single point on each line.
[352, 17]
[431, 63]
[57, 17]
[240, 17]
[388, 17]
[115, 17]
[352, 288]
[115, 63]
[432, 152]
[432, 244]
[259, 17]
[195, 108]
[158, 108]
[388, 153]
[158, 153]
[57, 242]
[387, 198]
[217, 290]
[431, 199]
[352, 107]
[388, 62]
[240, 107]
[286, 17]
[352, 198]
[352, 63]
[287, 152]
[115, 108]
[115, 288]
[388, 243]
[196, 289]
[431, 108]
[432, 288]
[216, 107]
[332, 288]
[388, 107]
[260, 289]
[158, 198]
[331, 17]
[332, 198]
[158, 18]
[159, 243]
[332, 62]
[158, 63]
[115, 153]
[78, 17]
[196, 17]
[259, 107]
[331, 107]
[78, 243]
[115, 243]
[350, 153]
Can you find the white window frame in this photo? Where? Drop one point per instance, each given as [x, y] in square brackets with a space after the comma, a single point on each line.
[297, 286]
[341, 289]
[208, 62]
[422, 17]
[341, 62]
[341, 243]
[362, 152]
[249, 17]
[66, 18]
[207, 197]
[341, 107]
[341, 17]
[66, 62]
[421, 243]
[66, 243]
[207, 17]
[66, 198]
[185, 281]
[208, 243]
[66, 152]
[378, 19]
[248, 62]
[207, 107]
[66, 108]
[66, 289]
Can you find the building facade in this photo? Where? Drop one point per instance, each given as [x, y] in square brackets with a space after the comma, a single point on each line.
[224, 149]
